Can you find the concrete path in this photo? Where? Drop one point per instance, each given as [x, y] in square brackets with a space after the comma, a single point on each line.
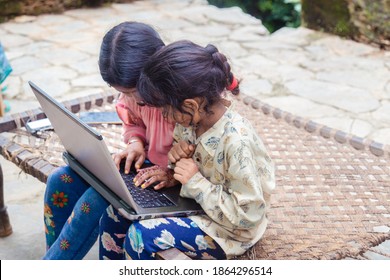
[333, 81]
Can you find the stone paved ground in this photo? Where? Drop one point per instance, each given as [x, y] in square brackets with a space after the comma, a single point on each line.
[333, 81]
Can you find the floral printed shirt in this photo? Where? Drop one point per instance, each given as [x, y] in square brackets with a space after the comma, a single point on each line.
[234, 182]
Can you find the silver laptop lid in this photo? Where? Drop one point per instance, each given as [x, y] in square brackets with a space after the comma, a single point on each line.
[84, 143]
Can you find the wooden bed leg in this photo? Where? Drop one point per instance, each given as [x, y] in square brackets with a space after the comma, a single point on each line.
[5, 226]
[171, 254]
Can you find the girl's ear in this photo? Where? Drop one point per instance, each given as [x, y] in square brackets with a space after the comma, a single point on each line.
[190, 106]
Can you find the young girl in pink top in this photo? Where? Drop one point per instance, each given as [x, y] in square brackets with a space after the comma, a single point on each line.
[148, 135]
[72, 208]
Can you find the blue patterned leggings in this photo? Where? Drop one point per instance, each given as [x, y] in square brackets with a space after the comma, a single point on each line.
[121, 238]
[72, 209]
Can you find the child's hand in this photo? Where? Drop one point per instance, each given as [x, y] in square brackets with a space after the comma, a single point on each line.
[184, 170]
[134, 152]
[181, 150]
[150, 175]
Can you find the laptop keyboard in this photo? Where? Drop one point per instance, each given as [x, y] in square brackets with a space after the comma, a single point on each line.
[146, 198]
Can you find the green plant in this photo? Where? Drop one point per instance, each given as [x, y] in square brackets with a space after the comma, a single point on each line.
[274, 14]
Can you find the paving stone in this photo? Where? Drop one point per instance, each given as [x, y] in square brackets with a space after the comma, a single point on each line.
[254, 87]
[22, 105]
[3, 33]
[83, 92]
[251, 33]
[387, 91]
[366, 63]
[54, 86]
[381, 135]
[322, 60]
[255, 64]
[27, 29]
[292, 36]
[231, 16]
[361, 128]
[126, 9]
[383, 113]
[86, 67]
[301, 107]
[92, 48]
[104, 23]
[11, 40]
[339, 96]
[26, 63]
[13, 84]
[87, 13]
[62, 56]
[195, 15]
[174, 23]
[94, 80]
[292, 72]
[52, 20]
[147, 16]
[214, 30]
[55, 72]
[68, 38]
[340, 46]
[31, 49]
[356, 78]
[266, 44]
[194, 36]
[232, 50]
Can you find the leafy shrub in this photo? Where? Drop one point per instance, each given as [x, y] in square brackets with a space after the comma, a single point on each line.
[274, 14]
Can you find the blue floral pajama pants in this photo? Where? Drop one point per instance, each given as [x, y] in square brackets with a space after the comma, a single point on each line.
[72, 210]
[121, 238]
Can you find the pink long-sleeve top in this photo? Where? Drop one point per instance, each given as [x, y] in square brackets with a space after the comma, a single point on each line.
[148, 124]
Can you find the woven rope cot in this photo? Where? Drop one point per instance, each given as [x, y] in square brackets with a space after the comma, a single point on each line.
[332, 196]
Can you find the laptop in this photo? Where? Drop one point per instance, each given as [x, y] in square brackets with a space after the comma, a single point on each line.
[87, 154]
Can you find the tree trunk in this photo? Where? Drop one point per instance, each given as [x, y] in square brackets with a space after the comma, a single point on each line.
[362, 20]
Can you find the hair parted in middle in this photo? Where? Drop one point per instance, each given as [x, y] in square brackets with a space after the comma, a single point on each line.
[124, 50]
[184, 70]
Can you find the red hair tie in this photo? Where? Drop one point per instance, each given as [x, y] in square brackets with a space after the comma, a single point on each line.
[233, 85]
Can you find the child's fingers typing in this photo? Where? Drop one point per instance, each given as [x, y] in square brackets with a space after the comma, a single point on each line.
[118, 158]
[160, 185]
[149, 181]
[151, 175]
[139, 162]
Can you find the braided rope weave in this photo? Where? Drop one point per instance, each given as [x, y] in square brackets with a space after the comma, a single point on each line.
[332, 198]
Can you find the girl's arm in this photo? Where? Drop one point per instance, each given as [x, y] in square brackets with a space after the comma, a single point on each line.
[133, 125]
[133, 134]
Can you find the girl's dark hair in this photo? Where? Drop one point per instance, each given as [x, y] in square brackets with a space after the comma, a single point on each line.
[124, 50]
[183, 70]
